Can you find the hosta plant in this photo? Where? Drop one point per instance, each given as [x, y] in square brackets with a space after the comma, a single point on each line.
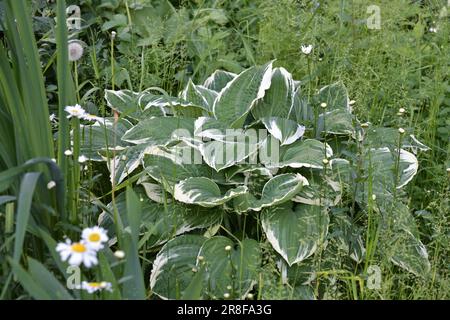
[248, 169]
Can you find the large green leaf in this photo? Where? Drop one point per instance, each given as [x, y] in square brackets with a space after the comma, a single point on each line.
[159, 131]
[338, 121]
[285, 130]
[279, 98]
[319, 192]
[390, 137]
[204, 192]
[124, 102]
[408, 252]
[307, 153]
[218, 80]
[160, 222]
[236, 100]
[103, 135]
[173, 267]
[235, 271]
[276, 191]
[335, 96]
[199, 95]
[295, 233]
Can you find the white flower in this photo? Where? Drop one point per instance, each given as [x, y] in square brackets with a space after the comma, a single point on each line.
[119, 254]
[92, 287]
[75, 49]
[51, 185]
[433, 30]
[94, 237]
[323, 104]
[401, 110]
[374, 197]
[75, 111]
[68, 152]
[113, 35]
[77, 253]
[91, 117]
[306, 49]
[52, 117]
[82, 159]
[401, 130]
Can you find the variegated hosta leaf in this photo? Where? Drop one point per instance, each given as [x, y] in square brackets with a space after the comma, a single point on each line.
[103, 135]
[319, 192]
[124, 101]
[335, 96]
[408, 252]
[279, 98]
[154, 191]
[236, 100]
[390, 137]
[172, 269]
[383, 163]
[301, 111]
[348, 236]
[199, 95]
[234, 149]
[238, 268]
[160, 222]
[160, 131]
[210, 128]
[338, 121]
[307, 153]
[284, 130]
[218, 80]
[169, 105]
[295, 233]
[204, 192]
[276, 191]
[169, 171]
[125, 162]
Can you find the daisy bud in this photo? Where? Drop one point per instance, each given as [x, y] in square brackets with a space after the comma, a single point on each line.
[119, 254]
[228, 248]
[124, 158]
[250, 296]
[226, 295]
[229, 287]
[68, 152]
[51, 185]
[401, 110]
[194, 270]
[82, 159]
[351, 102]
[201, 258]
[374, 197]
[113, 35]
[364, 125]
[323, 105]
[53, 160]
[401, 130]
[325, 161]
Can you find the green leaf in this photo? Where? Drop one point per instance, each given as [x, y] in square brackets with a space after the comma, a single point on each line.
[338, 121]
[276, 191]
[307, 153]
[199, 95]
[159, 131]
[335, 96]
[279, 98]
[238, 267]
[409, 253]
[236, 100]
[218, 80]
[161, 222]
[124, 102]
[284, 130]
[390, 137]
[29, 283]
[295, 233]
[24, 201]
[319, 192]
[204, 192]
[172, 269]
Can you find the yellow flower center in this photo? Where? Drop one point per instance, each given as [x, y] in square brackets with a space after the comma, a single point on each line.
[78, 247]
[94, 237]
[95, 284]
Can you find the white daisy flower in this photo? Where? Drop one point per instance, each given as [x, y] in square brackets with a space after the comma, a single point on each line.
[91, 117]
[75, 49]
[94, 237]
[68, 152]
[92, 287]
[82, 159]
[52, 117]
[75, 111]
[77, 253]
[306, 49]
